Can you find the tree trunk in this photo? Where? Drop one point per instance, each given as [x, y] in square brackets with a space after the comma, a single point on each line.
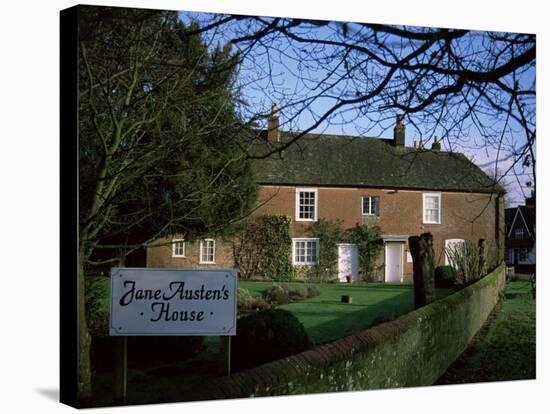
[84, 341]
[422, 252]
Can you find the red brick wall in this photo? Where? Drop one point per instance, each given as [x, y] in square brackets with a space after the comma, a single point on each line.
[161, 255]
[463, 215]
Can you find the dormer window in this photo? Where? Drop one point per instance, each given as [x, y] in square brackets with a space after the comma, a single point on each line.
[306, 204]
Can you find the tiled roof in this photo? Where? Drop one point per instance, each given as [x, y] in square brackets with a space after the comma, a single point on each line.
[330, 160]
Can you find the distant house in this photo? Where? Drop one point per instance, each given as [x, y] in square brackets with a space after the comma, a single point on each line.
[520, 237]
[403, 190]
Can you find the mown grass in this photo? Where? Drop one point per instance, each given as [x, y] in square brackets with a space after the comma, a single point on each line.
[326, 318]
[505, 348]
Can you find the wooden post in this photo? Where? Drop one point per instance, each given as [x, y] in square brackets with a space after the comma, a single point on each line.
[225, 357]
[121, 370]
[421, 248]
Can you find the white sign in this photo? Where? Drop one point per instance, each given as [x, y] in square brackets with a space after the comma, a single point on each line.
[147, 301]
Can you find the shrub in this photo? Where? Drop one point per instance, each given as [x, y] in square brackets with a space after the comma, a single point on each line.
[258, 304]
[298, 294]
[263, 248]
[266, 336]
[276, 295]
[491, 257]
[313, 291]
[445, 277]
[243, 299]
[369, 245]
[329, 235]
[470, 260]
[303, 272]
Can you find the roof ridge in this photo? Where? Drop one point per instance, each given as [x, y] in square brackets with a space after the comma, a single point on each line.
[366, 161]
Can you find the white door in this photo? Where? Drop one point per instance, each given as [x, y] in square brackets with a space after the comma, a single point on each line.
[394, 262]
[348, 262]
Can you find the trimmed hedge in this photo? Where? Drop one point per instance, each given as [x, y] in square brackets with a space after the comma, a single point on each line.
[276, 295]
[265, 336]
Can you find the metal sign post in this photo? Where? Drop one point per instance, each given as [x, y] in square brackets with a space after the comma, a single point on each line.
[171, 302]
[225, 365]
[121, 370]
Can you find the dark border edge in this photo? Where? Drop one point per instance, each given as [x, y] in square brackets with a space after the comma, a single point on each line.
[68, 179]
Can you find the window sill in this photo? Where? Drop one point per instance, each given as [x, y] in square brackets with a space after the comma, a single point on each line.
[207, 262]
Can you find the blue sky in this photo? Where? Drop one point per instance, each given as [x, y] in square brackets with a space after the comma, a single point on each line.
[284, 80]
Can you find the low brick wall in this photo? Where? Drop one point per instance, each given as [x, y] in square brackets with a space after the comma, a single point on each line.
[413, 350]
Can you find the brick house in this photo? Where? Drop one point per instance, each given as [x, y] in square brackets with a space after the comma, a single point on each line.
[405, 191]
[520, 240]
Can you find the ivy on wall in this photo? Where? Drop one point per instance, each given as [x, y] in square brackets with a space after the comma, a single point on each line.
[329, 235]
[369, 245]
[262, 249]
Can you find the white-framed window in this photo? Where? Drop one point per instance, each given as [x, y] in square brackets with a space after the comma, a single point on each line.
[431, 208]
[208, 251]
[305, 251]
[306, 204]
[523, 254]
[178, 248]
[519, 233]
[371, 206]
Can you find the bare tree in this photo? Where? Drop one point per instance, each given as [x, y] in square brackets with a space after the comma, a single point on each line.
[474, 89]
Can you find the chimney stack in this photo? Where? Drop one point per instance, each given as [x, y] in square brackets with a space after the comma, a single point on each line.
[273, 133]
[399, 131]
[436, 146]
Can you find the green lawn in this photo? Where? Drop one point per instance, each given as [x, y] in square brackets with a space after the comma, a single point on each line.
[325, 318]
[505, 349]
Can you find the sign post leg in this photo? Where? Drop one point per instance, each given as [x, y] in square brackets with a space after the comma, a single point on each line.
[225, 363]
[121, 370]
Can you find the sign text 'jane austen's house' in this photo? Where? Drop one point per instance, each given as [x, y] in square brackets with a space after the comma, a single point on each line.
[403, 190]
